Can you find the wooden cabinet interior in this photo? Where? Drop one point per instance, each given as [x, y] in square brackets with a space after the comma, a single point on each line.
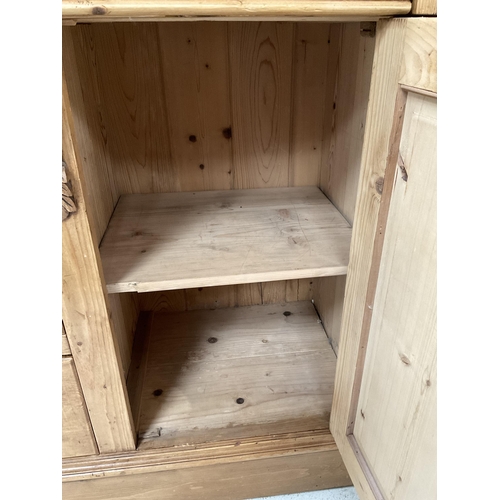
[223, 110]
[181, 107]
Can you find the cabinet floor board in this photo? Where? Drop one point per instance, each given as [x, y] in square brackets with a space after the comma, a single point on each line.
[233, 373]
[197, 239]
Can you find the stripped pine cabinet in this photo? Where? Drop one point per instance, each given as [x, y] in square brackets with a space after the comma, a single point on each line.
[238, 263]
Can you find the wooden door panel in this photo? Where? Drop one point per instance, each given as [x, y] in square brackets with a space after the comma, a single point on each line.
[395, 425]
[383, 413]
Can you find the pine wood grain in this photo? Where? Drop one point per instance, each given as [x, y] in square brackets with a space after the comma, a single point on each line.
[194, 60]
[340, 171]
[236, 105]
[111, 10]
[397, 431]
[77, 436]
[310, 70]
[278, 473]
[86, 314]
[261, 70]
[187, 240]
[276, 357]
[424, 7]
[390, 64]
[78, 55]
[328, 295]
[216, 297]
[419, 66]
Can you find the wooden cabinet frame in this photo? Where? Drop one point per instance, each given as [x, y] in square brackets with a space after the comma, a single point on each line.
[405, 61]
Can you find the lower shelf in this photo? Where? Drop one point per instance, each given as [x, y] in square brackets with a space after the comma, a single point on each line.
[205, 376]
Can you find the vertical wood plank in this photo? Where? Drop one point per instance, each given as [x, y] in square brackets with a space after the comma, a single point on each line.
[340, 178]
[165, 301]
[124, 310]
[310, 71]
[134, 110]
[86, 315]
[216, 297]
[261, 76]
[79, 61]
[194, 60]
[397, 428]
[249, 294]
[273, 292]
[328, 294]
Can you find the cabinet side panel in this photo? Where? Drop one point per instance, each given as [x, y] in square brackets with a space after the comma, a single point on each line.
[352, 47]
[86, 314]
[87, 107]
[344, 137]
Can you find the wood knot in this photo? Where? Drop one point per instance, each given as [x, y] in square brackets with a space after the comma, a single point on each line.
[379, 185]
[227, 133]
[405, 359]
[99, 11]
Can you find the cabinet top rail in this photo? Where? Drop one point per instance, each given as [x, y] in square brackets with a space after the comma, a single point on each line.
[74, 11]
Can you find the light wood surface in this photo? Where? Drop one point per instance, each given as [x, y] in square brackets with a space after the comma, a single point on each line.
[194, 60]
[328, 296]
[199, 455]
[217, 297]
[424, 7]
[312, 48]
[344, 134]
[261, 88]
[77, 435]
[350, 68]
[275, 357]
[102, 193]
[86, 314]
[186, 240]
[109, 10]
[237, 105]
[397, 431]
[391, 64]
[282, 473]
[419, 65]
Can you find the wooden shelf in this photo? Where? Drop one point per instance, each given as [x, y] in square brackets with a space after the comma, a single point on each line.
[187, 240]
[74, 11]
[189, 370]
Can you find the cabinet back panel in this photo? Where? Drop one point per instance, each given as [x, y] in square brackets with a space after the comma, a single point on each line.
[206, 106]
[217, 297]
[165, 107]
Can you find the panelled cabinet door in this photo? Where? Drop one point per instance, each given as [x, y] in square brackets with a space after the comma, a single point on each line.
[384, 409]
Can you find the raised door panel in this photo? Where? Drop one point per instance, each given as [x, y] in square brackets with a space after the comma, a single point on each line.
[395, 424]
